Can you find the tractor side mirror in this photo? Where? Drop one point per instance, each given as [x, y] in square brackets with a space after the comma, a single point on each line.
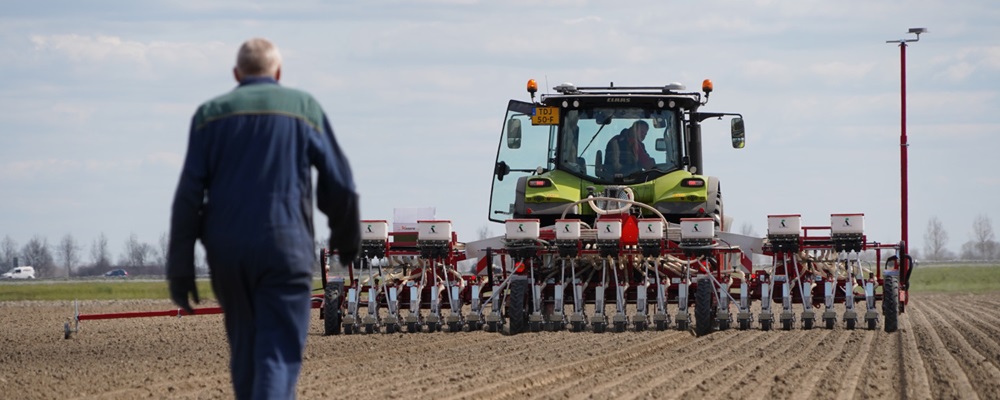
[501, 170]
[739, 136]
[661, 144]
[513, 133]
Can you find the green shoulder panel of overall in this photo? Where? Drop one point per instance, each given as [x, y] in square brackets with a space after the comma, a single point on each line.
[262, 99]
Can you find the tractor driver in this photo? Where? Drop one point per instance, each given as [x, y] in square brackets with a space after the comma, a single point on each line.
[626, 153]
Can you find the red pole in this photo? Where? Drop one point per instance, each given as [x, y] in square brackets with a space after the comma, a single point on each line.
[902, 143]
[904, 223]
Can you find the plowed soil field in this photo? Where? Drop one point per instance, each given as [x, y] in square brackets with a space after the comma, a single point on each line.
[948, 346]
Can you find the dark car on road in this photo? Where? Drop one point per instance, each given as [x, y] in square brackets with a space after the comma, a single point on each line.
[116, 273]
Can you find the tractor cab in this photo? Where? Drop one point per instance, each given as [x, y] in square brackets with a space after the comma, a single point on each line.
[598, 141]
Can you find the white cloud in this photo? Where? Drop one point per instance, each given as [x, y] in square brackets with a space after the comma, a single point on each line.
[113, 54]
[584, 20]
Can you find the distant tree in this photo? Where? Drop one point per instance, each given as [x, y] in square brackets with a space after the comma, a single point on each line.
[484, 232]
[36, 253]
[200, 260]
[99, 256]
[164, 245]
[136, 253]
[935, 240]
[68, 253]
[8, 251]
[983, 246]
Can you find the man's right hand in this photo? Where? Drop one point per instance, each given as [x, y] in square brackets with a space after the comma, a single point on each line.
[180, 289]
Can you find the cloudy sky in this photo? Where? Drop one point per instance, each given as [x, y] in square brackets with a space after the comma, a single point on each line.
[97, 98]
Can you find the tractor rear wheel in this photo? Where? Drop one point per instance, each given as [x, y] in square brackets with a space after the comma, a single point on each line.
[703, 307]
[332, 314]
[516, 305]
[890, 303]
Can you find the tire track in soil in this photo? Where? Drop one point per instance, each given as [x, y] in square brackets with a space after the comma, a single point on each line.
[640, 378]
[948, 379]
[990, 331]
[976, 365]
[984, 314]
[739, 375]
[578, 384]
[824, 362]
[434, 365]
[772, 388]
[518, 378]
[879, 376]
[804, 340]
[911, 369]
[836, 373]
[852, 375]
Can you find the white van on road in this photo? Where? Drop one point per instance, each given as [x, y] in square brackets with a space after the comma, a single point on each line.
[19, 273]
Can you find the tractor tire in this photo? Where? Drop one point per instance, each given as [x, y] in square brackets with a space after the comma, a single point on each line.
[890, 303]
[332, 313]
[703, 307]
[517, 311]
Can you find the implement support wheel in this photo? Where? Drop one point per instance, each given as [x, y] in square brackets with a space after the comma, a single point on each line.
[332, 313]
[703, 307]
[516, 305]
[890, 303]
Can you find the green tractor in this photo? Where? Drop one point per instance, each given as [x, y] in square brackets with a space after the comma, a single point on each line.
[637, 143]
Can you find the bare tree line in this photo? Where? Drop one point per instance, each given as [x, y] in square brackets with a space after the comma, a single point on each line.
[66, 258]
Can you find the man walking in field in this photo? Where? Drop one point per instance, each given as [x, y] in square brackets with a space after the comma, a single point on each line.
[246, 192]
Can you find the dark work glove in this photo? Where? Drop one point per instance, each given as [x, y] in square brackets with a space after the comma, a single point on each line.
[347, 254]
[180, 288]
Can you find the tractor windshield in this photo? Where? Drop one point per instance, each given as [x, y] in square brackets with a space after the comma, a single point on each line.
[619, 144]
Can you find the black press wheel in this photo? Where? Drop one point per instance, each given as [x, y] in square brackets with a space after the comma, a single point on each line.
[765, 325]
[517, 312]
[744, 324]
[703, 307]
[332, 314]
[830, 323]
[807, 324]
[890, 303]
[850, 324]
